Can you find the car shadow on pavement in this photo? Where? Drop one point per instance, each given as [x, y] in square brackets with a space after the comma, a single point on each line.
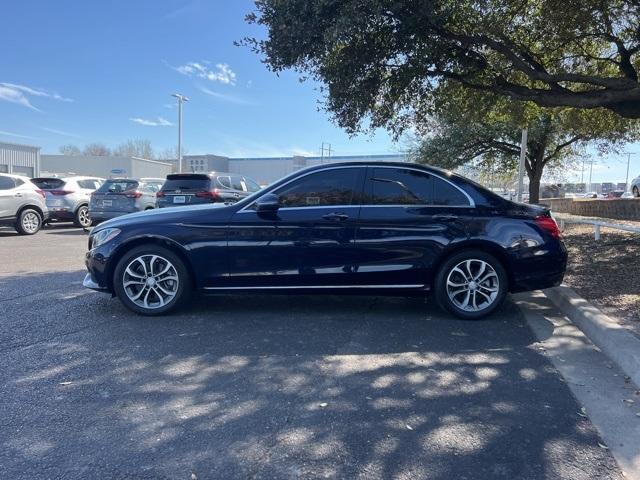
[286, 387]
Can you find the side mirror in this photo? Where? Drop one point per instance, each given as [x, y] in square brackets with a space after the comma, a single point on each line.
[269, 203]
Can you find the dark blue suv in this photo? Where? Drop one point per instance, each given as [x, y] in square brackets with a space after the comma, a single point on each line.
[382, 228]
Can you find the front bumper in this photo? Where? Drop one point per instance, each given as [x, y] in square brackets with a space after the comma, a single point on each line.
[88, 282]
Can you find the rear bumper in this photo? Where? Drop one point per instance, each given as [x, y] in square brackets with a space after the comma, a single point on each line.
[101, 216]
[540, 272]
[61, 213]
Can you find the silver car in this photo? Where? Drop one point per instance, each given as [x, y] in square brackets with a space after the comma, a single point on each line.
[68, 197]
[22, 204]
[120, 196]
[635, 186]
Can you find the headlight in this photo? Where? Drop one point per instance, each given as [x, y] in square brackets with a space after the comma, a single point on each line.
[103, 236]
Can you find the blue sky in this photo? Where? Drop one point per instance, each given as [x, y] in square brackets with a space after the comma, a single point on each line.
[83, 71]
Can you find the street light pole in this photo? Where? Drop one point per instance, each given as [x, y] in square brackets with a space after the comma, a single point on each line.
[523, 154]
[626, 182]
[181, 100]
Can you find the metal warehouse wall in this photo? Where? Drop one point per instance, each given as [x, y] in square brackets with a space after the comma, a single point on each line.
[104, 167]
[149, 168]
[19, 159]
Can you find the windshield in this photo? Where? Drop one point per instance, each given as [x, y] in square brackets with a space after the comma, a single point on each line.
[48, 183]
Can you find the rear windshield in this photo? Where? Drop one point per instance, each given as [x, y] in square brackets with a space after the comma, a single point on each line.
[117, 186]
[48, 183]
[186, 183]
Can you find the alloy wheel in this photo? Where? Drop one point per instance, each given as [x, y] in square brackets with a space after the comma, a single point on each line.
[473, 285]
[150, 281]
[30, 222]
[83, 217]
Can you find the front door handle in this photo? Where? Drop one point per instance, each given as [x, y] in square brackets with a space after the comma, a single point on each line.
[445, 218]
[336, 217]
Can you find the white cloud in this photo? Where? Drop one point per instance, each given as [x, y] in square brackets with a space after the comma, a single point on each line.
[60, 132]
[11, 134]
[160, 122]
[225, 97]
[222, 72]
[11, 92]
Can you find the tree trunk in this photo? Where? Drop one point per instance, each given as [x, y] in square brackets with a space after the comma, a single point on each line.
[534, 183]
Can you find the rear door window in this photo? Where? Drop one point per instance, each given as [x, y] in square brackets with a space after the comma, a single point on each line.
[6, 183]
[187, 183]
[251, 185]
[236, 183]
[225, 182]
[89, 184]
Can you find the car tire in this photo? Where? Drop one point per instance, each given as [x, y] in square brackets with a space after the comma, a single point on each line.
[82, 218]
[470, 284]
[29, 222]
[170, 287]
[636, 192]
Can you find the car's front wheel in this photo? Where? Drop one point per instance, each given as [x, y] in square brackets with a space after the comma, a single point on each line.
[28, 222]
[470, 284]
[151, 280]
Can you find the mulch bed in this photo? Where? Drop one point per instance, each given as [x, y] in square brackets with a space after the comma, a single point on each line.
[606, 272]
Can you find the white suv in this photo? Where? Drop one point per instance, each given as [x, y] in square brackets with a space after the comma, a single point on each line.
[22, 204]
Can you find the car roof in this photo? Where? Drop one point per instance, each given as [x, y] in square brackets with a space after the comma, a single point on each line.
[13, 175]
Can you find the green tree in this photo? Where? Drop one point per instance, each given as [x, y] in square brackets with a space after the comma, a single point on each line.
[486, 128]
[382, 61]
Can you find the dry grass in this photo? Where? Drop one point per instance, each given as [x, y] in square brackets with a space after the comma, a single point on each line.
[607, 272]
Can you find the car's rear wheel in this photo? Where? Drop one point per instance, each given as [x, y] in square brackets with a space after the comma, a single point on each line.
[636, 192]
[28, 222]
[151, 280]
[82, 218]
[470, 284]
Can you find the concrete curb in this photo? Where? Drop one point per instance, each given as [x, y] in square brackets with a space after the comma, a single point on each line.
[615, 341]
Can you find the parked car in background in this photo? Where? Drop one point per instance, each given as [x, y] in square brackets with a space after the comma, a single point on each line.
[627, 195]
[635, 186]
[383, 228]
[196, 188]
[68, 197]
[120, 196]
[615, 194]
[22, 204]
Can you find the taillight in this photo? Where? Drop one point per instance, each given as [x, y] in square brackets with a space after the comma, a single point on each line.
[549, 225]
[41, 193]
[211, 195]
[160, 195]
[135, 194]
[60, 192]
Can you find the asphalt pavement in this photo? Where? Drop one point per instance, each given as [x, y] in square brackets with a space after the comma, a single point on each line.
[243, 387]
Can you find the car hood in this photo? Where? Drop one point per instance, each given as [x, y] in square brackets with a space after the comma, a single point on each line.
[213, 212]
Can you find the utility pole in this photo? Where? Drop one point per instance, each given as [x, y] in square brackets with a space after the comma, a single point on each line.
[181, 100]
[590, 173]
[322, 150]
[626, 182]
[523, 155]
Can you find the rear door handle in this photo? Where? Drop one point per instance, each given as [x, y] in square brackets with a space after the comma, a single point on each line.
[445, 218]
[18, 195]
[336, 217]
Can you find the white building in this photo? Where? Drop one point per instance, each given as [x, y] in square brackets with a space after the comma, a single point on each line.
[104, 166]
[19, 159]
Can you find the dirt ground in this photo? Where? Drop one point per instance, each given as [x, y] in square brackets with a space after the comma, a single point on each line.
[606, 272]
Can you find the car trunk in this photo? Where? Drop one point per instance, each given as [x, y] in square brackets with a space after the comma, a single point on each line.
[54, 190]
[115, 196]
[186, 189]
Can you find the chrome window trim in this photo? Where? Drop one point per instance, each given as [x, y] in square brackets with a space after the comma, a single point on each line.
[472, 204]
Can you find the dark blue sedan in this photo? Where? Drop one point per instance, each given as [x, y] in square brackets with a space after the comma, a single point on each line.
[379, 228]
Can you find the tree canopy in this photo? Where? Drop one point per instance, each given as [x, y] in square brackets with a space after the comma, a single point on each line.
[382, 61]
[472, 126]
